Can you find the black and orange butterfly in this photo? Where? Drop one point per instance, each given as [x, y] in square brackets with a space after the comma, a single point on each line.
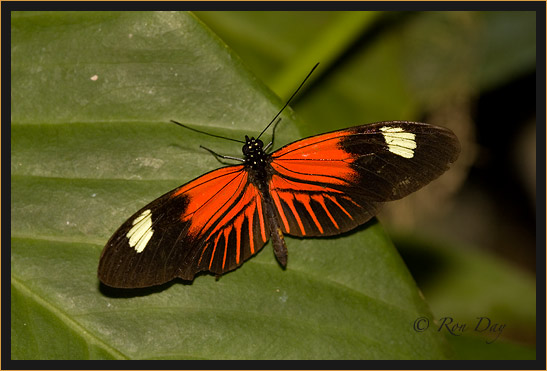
[323, 185]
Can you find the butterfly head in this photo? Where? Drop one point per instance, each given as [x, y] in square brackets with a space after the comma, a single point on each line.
[252, 146]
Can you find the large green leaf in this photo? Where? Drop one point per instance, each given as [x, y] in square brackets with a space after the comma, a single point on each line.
[91, 96]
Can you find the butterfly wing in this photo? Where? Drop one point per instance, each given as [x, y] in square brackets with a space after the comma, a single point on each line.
[331, 183]
[213, 223]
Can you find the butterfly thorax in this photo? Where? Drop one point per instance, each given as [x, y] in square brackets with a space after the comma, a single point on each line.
[257, 161]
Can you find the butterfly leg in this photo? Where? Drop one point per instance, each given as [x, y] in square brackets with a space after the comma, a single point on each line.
[222, 156]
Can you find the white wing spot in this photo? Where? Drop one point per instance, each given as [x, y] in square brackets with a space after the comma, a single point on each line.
[399, 142]
[141, 232]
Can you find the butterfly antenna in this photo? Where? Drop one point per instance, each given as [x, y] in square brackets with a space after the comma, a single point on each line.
[203, 132]
[286, 104]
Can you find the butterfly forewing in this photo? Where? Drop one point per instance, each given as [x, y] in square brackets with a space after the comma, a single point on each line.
[330, 183]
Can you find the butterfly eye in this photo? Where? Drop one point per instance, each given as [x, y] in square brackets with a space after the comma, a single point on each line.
[246, 149]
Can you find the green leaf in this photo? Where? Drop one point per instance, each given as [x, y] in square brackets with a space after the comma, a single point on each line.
[92, 94]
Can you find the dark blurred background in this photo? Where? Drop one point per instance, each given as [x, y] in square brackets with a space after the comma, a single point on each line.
[469, 237]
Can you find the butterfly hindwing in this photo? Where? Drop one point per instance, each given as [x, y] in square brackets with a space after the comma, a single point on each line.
[212, 223]
[330, 183]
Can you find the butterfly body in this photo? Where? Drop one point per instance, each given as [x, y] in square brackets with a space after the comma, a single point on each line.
[258, 165]
[319, 186]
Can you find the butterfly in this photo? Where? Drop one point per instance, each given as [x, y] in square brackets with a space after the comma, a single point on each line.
[323, 185]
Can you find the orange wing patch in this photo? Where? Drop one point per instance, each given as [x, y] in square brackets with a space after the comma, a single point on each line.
[314, 186]
[237, 220]
[224, 213]
[312, 209]
[229, 222]
[207, 193]
[316, 159]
